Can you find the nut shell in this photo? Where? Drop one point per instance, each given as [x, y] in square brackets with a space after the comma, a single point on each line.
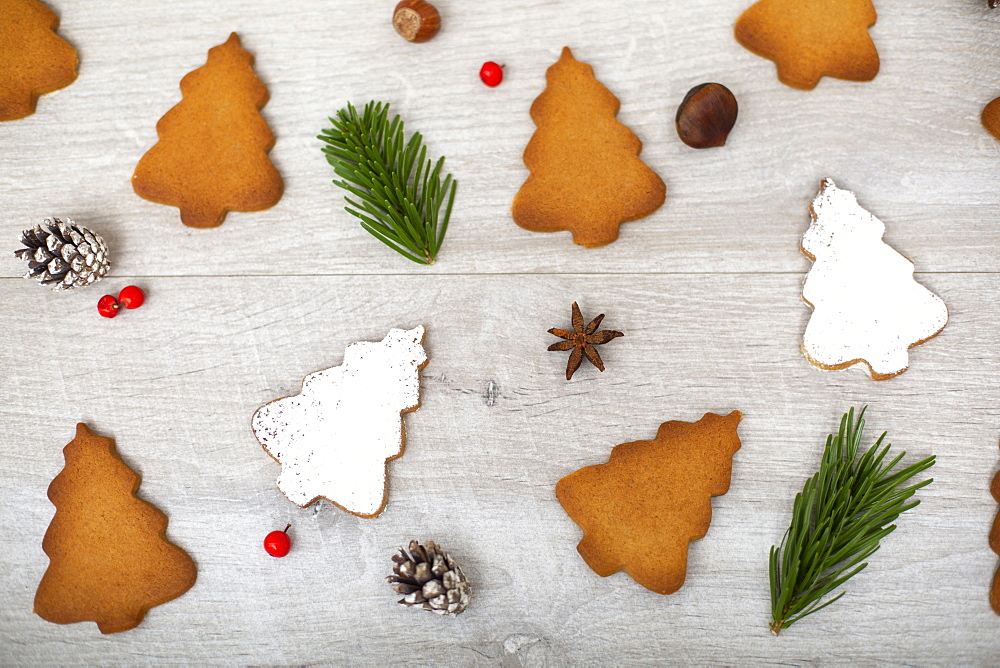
[416, 20]
[706, 116]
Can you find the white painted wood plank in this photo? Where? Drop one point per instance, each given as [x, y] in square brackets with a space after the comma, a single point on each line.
[176, 382]
[909, 142]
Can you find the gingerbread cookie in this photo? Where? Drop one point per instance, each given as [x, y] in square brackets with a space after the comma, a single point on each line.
[34, 60]
[110, 560]
[640, 511]
[586, 176]
[991, 117]
[867, 306]
[211, 157]
[334, 439]
[995, 546]
[809, 39]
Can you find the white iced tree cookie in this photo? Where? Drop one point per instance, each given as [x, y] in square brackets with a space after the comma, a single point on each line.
[867, 306]
[334, 439]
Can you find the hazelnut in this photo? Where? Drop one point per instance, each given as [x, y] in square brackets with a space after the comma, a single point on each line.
[706, 115]
[416, 20]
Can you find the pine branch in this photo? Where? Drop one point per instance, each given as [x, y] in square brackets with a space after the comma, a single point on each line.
[398, 192]
[838, 519]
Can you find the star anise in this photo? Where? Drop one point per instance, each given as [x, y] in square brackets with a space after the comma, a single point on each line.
[581, 340]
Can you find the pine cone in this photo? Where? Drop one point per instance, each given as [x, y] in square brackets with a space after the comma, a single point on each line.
[429, 578]
[63, 254]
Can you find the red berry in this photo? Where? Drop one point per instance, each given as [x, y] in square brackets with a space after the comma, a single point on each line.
[277, 543]
[108, 306]
[491, 73]
[131, 297]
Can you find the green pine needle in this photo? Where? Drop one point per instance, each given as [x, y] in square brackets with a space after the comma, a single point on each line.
[837, 522]
[397, 191]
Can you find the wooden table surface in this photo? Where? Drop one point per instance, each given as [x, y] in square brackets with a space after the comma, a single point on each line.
[707, 290]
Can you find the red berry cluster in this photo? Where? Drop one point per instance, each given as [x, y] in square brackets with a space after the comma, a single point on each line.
[129, 297]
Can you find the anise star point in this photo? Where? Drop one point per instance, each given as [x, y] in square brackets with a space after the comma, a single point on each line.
[581, 341]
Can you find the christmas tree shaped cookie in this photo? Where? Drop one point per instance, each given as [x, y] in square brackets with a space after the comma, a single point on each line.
[34, 60]
[211, 157]
[809, 39]
[640, 511]
[867, 306]
[995, 546]
[110, 561]
[586, 176]
[991, 117]
[334, 439]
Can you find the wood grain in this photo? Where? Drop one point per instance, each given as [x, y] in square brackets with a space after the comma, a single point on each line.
[707, 291]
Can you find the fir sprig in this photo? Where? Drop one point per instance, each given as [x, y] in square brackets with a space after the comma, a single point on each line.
[837, 522]
[399, 190]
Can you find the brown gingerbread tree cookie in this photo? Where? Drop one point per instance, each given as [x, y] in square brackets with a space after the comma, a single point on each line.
[810, 39]
[586, 176]
[34, 60]
[995, 546]
[991, 117]
[211, 157]
[640, 511]
[110, 560]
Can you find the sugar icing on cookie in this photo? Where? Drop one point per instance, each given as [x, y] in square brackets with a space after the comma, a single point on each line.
[868, 307]
[333, 439]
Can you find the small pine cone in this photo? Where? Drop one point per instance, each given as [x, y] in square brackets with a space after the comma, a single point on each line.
[63, 254]
[429, 578]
